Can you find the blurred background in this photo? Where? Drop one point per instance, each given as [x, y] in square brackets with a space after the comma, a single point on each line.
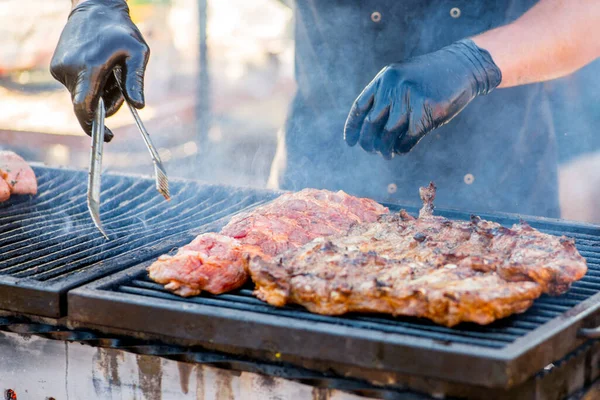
[218, 85]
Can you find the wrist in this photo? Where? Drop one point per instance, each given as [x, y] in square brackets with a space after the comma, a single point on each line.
[485, 71]
[75, 3]
[82, 5]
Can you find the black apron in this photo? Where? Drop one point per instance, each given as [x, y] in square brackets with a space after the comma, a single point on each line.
[498, 154]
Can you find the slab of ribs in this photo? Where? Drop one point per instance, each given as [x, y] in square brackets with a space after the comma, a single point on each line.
[334, 254]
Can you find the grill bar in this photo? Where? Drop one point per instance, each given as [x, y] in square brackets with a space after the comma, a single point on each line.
[48, 243]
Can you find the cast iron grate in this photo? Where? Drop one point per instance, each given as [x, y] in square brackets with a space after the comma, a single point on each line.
[413, 345]
[496, 335]
[49, 244]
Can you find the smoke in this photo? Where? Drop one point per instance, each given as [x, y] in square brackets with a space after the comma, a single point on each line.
[500, 154]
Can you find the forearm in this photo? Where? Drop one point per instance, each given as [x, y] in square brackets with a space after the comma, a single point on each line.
[553, 39]
[74, 3]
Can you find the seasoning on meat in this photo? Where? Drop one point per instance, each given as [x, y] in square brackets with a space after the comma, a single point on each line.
[432, 267]
[217, 263]
[16, 175]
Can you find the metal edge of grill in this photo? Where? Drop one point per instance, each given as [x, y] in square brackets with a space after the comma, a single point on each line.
[565, 376]
[279, 338]
[48, 297]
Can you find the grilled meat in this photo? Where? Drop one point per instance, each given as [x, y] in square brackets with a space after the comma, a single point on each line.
[217, 263]
[447, 271]
[16, 174]
[211, 262]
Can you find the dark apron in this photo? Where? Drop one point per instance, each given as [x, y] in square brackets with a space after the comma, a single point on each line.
[499, 154]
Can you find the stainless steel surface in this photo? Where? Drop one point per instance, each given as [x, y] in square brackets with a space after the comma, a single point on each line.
[95, 172]
[160, 174]
[39, 368]
[589, 333]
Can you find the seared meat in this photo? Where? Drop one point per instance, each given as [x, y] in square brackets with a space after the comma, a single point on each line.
[447, 271]
[17, 174]
[217, 263]
[211, 262]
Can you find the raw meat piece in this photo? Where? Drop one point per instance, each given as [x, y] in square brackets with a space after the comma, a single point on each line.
[17, 174]
[218, 263]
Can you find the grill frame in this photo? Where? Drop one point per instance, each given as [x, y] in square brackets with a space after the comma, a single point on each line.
[350, 351]
[47, 297]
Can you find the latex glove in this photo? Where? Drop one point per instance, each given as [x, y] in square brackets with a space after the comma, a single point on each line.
[99, 36]
[406, 101]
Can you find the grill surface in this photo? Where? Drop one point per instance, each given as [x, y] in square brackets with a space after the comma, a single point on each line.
[48, 243]
[502, 354]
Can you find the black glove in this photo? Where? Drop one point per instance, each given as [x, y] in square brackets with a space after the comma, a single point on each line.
[406, 101]
[99, 36]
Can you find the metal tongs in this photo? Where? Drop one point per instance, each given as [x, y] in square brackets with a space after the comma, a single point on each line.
[93, 194]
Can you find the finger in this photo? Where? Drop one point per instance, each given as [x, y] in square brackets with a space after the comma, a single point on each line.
[373, 124]
[396, 127]
[135, 67]
[85, 96]
[85, 99]
[113, 97]
[114, 104]
[108, 134]
[419, 124]
[358, 113]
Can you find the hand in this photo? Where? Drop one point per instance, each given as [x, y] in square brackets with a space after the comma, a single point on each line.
[99, 36]
[406, 101]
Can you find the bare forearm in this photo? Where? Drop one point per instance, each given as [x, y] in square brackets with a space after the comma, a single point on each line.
[553, 39]
[74, 3]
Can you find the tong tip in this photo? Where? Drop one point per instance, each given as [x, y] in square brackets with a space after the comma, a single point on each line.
[162, 182]
[94, 208]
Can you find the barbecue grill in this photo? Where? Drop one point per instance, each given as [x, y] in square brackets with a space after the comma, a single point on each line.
[379, 348]
[54, 263]
[48, 243]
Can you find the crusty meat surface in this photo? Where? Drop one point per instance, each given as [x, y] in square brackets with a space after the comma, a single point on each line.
[217, 263]
[444, 270]
[17, 174]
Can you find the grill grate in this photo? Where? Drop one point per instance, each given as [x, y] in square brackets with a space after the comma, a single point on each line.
[49, 244]
[500, 354]
[496, 335]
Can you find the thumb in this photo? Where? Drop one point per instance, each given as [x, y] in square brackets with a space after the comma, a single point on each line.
[85, 96]
[135, 67]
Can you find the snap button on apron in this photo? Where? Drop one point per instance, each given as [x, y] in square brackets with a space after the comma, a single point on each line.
[455, 12]
[376, 16]
[392, 188]
[469, 178]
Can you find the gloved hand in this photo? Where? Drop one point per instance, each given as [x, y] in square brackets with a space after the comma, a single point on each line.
[406, 101]
[99, 36]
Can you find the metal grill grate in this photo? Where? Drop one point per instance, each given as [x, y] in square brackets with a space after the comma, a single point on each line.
[497, 335]
[498, 354]
[48, 243]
